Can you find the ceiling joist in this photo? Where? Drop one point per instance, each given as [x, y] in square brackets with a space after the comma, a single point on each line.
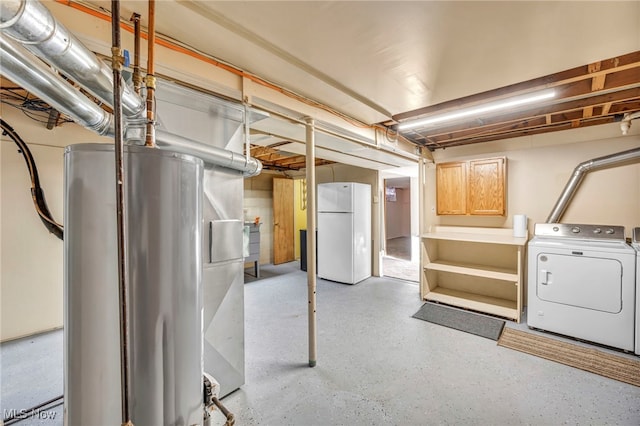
[596, 93]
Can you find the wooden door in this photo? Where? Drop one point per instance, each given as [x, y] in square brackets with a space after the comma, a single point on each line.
[487, 187]
[283, 242]
[451, 184]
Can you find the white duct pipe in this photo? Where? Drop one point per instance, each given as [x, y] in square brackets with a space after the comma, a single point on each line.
[31, 24]
[611, 160]
[18, 66]
[625, 124]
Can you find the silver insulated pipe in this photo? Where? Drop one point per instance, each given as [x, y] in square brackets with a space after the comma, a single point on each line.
[31, 24]
[19, 67]
[611, 160]
[209, 154]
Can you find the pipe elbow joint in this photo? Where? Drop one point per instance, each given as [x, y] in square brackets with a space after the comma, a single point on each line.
[256, 168]
[583, 168]
[104, 127]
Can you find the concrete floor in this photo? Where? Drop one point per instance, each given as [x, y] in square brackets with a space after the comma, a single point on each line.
[399, 248]
[376, 366]
[398, 262]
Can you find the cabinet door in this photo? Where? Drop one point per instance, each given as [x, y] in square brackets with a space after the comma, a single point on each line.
[486, 190]
[451, 184]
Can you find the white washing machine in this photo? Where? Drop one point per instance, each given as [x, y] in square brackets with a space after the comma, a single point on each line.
[636, 245]
[581, 283]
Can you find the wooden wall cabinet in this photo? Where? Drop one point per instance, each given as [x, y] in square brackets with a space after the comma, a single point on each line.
[451, 188]
[474, 268]
[475, 187]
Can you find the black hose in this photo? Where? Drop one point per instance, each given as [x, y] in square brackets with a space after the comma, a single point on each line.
[37, 193]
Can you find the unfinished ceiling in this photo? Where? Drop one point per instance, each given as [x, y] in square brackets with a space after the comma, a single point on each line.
[387, 62]
[597, 93]
[384, 62]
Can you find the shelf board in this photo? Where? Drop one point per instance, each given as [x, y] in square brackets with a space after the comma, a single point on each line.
[476, 235]
[474, 270]
[491, 305]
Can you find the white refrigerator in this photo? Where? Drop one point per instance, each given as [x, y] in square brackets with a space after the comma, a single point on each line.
[344, 231]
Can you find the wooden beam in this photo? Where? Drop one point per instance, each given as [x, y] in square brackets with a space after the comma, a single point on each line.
[597, 82]
[629, 61]
[587, 112]
[497, 122]
[507, 135]
[523, 127]
[594, 67]
[291, 160]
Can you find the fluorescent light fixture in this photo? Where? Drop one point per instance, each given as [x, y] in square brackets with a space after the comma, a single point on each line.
[478, 110]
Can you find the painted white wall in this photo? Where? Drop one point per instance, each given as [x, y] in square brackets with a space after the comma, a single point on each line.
[31, 289]
[398, 214]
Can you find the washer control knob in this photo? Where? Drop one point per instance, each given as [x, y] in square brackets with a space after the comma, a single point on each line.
[597, 231]
[610, 231]
[575, 230]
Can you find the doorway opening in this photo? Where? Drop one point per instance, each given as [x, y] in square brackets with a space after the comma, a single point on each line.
[401, 256]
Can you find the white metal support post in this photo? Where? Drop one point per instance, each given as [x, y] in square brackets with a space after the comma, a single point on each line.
[311, 235]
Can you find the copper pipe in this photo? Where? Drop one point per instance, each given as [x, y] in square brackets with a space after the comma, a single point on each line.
[151, 79]
[137, 79]
[229, 415]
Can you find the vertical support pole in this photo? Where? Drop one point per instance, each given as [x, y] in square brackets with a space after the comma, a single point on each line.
[116, 64]
[311, 235]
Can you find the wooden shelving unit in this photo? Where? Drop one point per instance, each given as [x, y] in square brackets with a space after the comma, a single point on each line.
[474, 268]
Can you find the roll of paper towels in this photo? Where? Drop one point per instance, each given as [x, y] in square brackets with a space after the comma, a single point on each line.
[519, 225]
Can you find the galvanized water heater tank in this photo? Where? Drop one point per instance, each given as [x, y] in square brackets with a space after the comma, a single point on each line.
[163, 194]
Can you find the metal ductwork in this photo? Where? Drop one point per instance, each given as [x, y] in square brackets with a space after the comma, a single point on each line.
[18, 66]
[210, 155]
[31, 24]
[608, 161]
